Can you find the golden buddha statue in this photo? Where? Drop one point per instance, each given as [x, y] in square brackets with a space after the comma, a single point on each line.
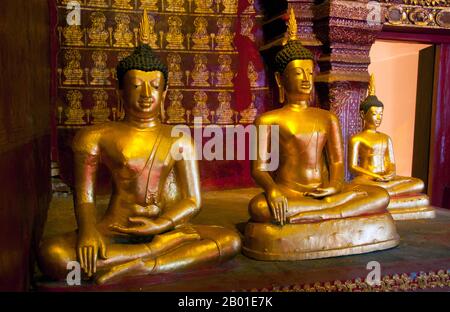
[224, 74]
[200, 37]
[224, 37]
[371, 159]
[100, 72]
[145, 229]
[306, 211]
[100, 111]
[97, 32]
[224, 112]
[175, 72]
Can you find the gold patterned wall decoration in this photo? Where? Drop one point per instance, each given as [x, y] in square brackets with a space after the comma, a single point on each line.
[197, 39]
[418, 13]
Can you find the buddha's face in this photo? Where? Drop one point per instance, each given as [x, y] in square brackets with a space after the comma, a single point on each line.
[143, 92]
[373, 116]
[297, 79]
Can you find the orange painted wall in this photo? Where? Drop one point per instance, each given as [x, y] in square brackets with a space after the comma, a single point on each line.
[395, 66]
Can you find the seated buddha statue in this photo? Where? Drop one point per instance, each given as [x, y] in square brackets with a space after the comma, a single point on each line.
[145, 229]
[306, 211]
[371, 160]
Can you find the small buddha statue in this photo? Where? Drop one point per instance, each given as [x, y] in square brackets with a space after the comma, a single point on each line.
[306, 210]
[371, 160]
[146, 228]
[73, 35]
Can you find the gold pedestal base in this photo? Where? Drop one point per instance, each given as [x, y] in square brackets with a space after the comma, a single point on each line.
[413, 207]
[329, 238]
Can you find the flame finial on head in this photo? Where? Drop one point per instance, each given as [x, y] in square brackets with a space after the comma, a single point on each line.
[372, 84]
[292, 26]
[144, 29]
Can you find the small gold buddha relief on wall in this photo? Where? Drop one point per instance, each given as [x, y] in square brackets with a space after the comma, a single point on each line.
[122, 34]
[200, 74]
[151, 5]
[98, 3]
[175, 6]
[224, 112]
[200, 37]
[72, 71]
[73, 35]
[100, 72]
[122, 4]
[176, 111]
[253, 75]
[201, 109]
[224, 36]
[174, 36]
[248, 115]
[74, 111]
[97, 33]
[203, 6]
[230, 6]
[175, 72]
[100, 111]
[225, 74]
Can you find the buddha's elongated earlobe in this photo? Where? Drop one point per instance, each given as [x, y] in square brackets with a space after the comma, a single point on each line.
[281, 94]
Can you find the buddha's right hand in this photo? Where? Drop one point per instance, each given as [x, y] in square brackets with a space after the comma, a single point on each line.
[90, 243]
[278, 204]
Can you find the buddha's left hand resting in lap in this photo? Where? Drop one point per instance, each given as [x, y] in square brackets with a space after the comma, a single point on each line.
[145, 229]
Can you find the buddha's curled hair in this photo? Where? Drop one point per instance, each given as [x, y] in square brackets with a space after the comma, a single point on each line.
[293, 50]
[143, 59]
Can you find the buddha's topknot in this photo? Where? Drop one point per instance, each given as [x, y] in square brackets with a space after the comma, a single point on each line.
[370, 101]
[143, 59]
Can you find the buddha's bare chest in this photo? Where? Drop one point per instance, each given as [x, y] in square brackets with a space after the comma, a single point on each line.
[303, 136]
[373, 147]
